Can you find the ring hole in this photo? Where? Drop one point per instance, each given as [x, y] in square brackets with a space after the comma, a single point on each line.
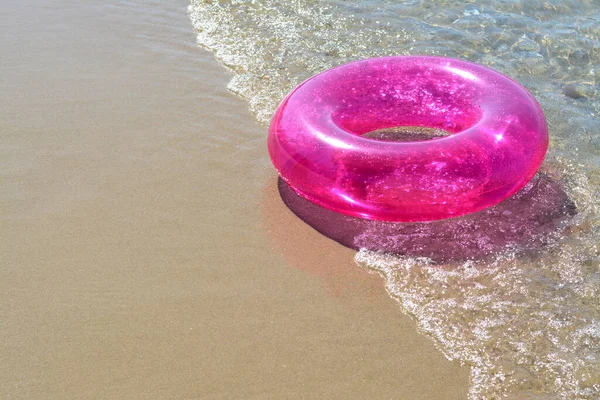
[406, 134]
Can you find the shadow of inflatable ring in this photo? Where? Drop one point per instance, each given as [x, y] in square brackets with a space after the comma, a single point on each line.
[526, 221]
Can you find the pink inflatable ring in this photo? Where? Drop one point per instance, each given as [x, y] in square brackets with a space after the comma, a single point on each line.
[497, 138]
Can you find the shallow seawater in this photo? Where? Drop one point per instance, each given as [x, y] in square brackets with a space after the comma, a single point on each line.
[526, 322]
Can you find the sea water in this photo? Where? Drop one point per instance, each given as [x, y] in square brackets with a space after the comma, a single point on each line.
[526, 323]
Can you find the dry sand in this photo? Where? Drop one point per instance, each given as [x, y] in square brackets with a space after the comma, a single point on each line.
[144, 251]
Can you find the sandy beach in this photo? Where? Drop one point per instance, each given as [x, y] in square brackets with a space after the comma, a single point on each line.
[145, 252]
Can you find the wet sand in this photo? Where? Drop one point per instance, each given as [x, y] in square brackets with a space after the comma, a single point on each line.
[144, 249]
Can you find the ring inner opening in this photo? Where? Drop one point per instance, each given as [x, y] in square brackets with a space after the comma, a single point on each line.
[406, 134]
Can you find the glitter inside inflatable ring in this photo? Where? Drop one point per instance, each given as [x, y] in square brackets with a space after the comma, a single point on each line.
[497, 138]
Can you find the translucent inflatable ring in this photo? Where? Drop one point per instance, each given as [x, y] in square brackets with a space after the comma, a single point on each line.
[496, 138]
